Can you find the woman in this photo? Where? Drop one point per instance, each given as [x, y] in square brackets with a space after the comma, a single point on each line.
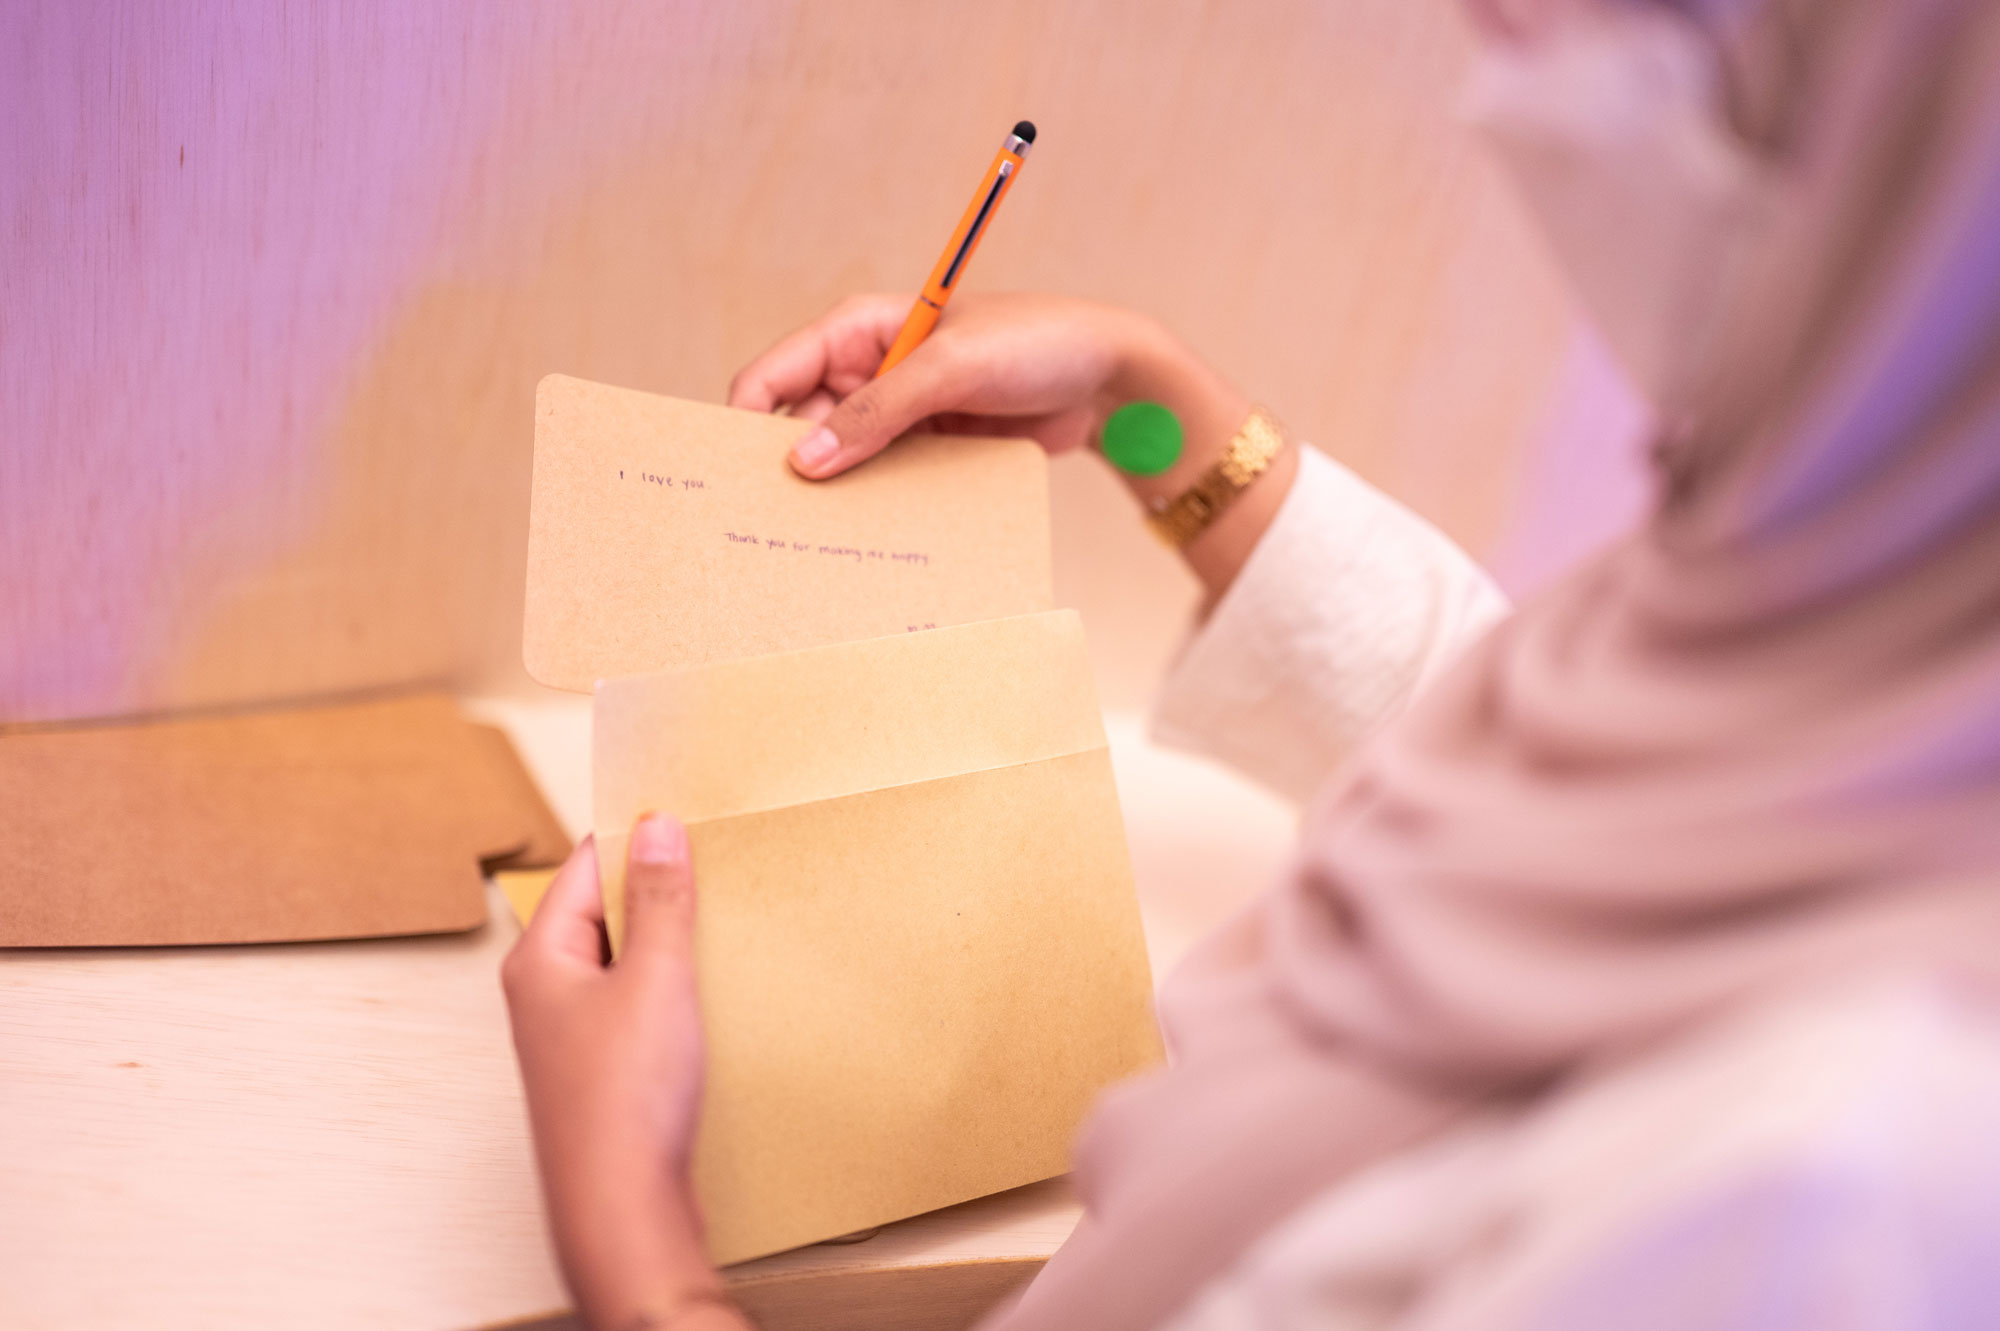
[1722, 807]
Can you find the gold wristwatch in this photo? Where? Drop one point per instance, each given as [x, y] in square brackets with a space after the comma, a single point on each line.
[1179, 520]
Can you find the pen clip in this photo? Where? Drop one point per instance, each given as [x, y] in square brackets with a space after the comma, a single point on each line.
[978, 224]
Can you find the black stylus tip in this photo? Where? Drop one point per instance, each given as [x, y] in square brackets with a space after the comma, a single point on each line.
[1025, 131]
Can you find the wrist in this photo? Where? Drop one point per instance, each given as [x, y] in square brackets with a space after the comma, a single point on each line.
[1154, 366]
[659, 1296]
[635, 1266]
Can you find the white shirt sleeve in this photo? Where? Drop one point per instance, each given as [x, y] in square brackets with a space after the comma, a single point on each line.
[1347, 606]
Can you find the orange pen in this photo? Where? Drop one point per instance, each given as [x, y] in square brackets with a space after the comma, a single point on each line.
[951, 264]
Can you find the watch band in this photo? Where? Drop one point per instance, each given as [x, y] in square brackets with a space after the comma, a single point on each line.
[1179, 520]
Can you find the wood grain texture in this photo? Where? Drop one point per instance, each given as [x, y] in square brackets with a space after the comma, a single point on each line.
[280, 276]
[309, 1135]
[332, 1134]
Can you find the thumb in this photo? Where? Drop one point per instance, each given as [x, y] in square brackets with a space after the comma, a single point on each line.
[659, 892]
[868, 418]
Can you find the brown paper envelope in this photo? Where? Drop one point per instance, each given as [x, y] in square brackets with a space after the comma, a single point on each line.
[919, 950]
[524, 833]
[346, 820]
[665, 533]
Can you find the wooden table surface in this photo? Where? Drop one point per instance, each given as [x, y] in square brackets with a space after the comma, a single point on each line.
[332, 1134]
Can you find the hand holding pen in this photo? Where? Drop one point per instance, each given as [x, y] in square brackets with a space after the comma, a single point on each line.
[1014, 364]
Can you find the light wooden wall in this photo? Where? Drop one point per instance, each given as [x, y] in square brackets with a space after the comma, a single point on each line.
[278, 279]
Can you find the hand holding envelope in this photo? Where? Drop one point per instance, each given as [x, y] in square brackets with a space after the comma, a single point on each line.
[918, 948]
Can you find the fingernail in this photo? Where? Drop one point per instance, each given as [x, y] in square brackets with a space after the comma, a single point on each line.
[815, 450]
[658, 839]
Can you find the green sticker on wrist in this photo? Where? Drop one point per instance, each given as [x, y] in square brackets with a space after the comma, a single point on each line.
[1143, 438]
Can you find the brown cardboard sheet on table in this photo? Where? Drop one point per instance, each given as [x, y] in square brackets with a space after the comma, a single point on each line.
[919, 948]
[523, 828]
[666, 533]
[345, 820]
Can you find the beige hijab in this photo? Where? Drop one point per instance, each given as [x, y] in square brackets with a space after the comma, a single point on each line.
[1755, 745]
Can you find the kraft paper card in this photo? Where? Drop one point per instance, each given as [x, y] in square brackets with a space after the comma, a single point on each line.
[348, 820]
[664, 533]
[919, 948]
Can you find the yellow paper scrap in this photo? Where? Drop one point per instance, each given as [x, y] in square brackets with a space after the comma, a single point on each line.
[524, 890]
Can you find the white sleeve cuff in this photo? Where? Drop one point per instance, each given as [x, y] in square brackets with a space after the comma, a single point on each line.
[1347, 606]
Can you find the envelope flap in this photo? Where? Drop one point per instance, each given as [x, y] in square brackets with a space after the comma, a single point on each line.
[766, 732]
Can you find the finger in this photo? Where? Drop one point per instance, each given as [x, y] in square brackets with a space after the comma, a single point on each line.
[792, 368]
[659, 893]
[568, 923]
[930, 381]
[815, 407]
[843, 346]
